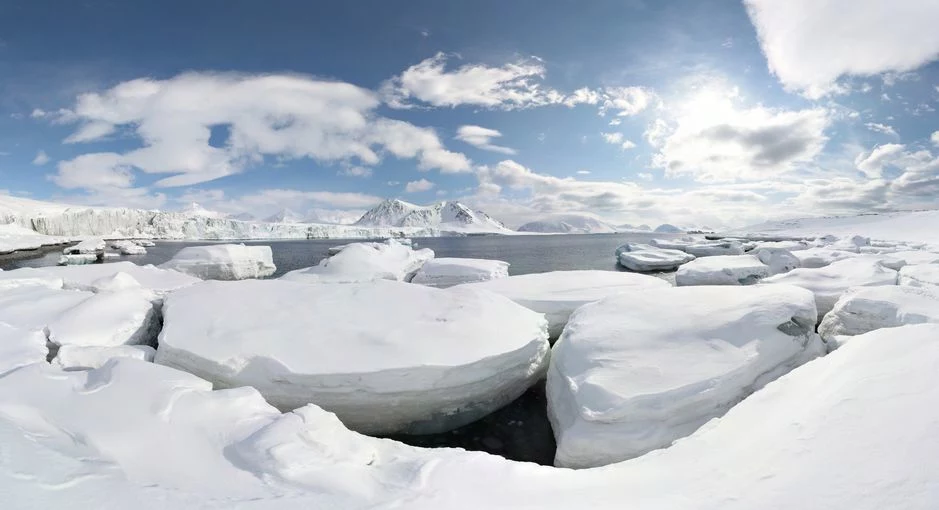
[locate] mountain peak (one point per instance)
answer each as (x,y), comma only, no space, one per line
(445,215)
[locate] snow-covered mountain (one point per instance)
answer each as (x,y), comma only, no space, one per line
(666,228)
(626,227)
(445,216)
(285,216)
(196,210)
(569,224)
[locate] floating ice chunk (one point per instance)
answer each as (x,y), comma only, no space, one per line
(423,360)
(829,282)
(88,246)
(632,375)
(446,272)
(920,275)
(722,270)
(107,319)
(899,259)
(79,259)
(20,347)
(224,261)
(88,357)
(365,262)
(714,248)
(779,260)
(129,248)
(643,258)
(558,293)
(673,244)
(863,309)
(146,243)
(820,257)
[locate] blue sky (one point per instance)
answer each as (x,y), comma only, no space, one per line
(711,112)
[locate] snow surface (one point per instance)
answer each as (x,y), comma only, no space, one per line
(558,293)
(864,309)
(107,319)
(129,248)
(365,262)
(384,356)
(644,257)
(632,375)
(446,272)
(918,226)
(95,356)
(79,259)
(920,275)
(829,282)
(901,258)
(34,307)
(20,347)
(88,246)
(783,245)
(722,270)
(569,224)
(16,238)
(99,277)
(820,257)
(779,260)
(223,261)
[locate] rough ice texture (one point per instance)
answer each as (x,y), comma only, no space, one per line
(898,259)
(20,347)
(19,238)
(446,272)
(820,257)
(365,262)
(779,260)
(632,373)
(714,248)
(558,293)
(920,275)
(864,309)
(384,356)
(644,257)
(674,244)
(87,357)
(829,282)
(107,319)
(223,261)
(722,270)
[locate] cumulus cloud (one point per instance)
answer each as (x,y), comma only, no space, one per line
(872,163)
(418,186)
(284,116)
(626,101)
(618,139)
(97,171)
(316,206)
(882,128)
(481,138)
(41,158)
(809,45)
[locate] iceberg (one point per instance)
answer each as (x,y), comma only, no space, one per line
(79,259)
(633,373)
(558,293)
(646,258)
(920,275)
(864,309)
(419,360)
(129,248)
(722,270)
(223,261)
(447,272)
(365,262)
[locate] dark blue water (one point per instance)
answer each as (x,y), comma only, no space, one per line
(526,254)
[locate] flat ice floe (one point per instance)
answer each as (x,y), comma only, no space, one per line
(722,270)
(829,282)
(365,262)
(446,272)
(864,309)
(20,347)
(129,247)
(779,260)
(920,275)
(558,293)
(645,258)
(898,259)
(107,319)
(714,248)
(223,261)
(88,246)
(387,357)
(820,257)
(632,375)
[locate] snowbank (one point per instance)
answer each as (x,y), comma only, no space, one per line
(446,272)
(722,270)
(864,309)
(365,262)
(223,261)
(385,356)
(632,375)
(107,276)
(898,259)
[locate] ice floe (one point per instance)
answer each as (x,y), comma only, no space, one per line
(863,309)
(722,270)
(365,262)
(647,258)
(446,272)
(95,356)
(20,347)
(223,261)
(107,319)
(820,257)
(920,275)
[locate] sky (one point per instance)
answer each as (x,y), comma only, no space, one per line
(711,113)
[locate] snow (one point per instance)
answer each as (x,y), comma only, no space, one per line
(34,307)
(782,245)
(851,244)
(223,261)
(901,258)
(107,319)
(451,217)
(864,309)
(633,373)
(569,224)
(916,226)
(87,357)
(558,293)
(129,248)
(146,243)
(446,272)
(19,347)
(713,248)
(829,282)
(385,356)
(722,270)
(79,259)
(665,228)
(92,246)
(16,238)
(673,244)
(643,257)
(107,277)
(920,275)
(364,262)
(779,260)
(29,276)
(820,257)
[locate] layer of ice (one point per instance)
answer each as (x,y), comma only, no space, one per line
(632,375)
(722,270)
(644,257)
(920,275)
(864,309)
(100,276)
(820,257)
(365,262)
(779,260)
(88,357)
(223,261)
(446,272)
(898,259)
(714,248)
(88,246)
(129,248)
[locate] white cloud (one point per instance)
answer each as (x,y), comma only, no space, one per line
(355,171)
(616,122)
(618,139)
(284,116)
(809,45)
(94,172)
(583,95)
(481,137)
(625,101)
(583,172)
(41,158)
(646,176)
(418,186)
(935,138)
(872,163)
(882,128)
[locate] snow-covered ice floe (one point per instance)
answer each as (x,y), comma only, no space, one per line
(113,276)
(920,275)
(129,247)
(18,238)
(107,319)
(365,262)
(779,260)
(446,272)
(88,246)
(94,356)
(20,347)
(632,375)
(820,257)
(558,293)
(223,261)
(898,259)
(385,356)
(714,248)
(782,245)
(864,309)
(80,259)
(829,282)
(722,270)
(645,258)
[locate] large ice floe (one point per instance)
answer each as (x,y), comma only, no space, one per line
(107,319)
(714,248)
(97,277)
(387,357)
(632,375)
(829,282)
(646,258)
(820,257)
(88,246)
(127,247)
(20,347)
(722,270)
(920,275)
(558,293)
(224,261)
(863,309)
(365,262)
(446,272)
